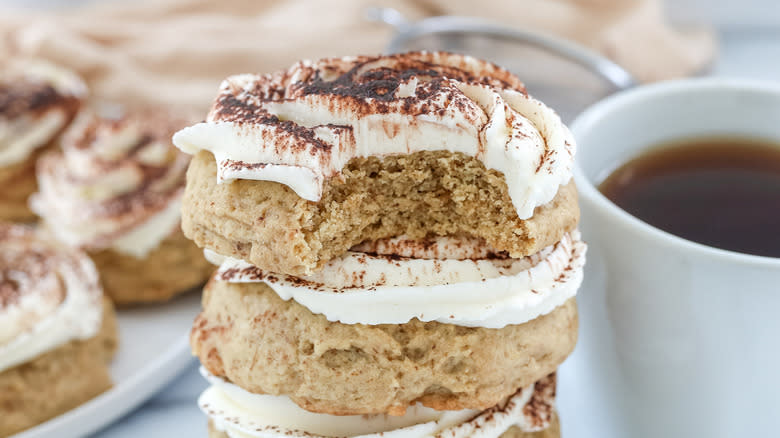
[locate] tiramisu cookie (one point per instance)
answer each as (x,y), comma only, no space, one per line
(115,190)
(37,101)
(294,168)
(57,332)
(235,413)
(446,323)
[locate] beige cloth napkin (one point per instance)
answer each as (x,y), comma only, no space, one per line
(176,51)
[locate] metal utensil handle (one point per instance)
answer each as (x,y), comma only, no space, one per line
(601,66)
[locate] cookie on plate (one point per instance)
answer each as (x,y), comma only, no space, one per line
(115,191)
(57,331)
(292,169)
(37,102)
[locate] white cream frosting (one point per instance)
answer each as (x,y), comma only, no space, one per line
(142,239)
(275,128)
(242,414)
(26,130)
(116,184)
(48,296)
(366,288)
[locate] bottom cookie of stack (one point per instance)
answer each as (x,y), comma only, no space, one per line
(236,413)
(443,337)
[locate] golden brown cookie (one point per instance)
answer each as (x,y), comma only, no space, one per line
(439,193)
(258,341)
(174,267)
(59,380)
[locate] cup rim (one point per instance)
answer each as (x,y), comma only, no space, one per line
(597,111)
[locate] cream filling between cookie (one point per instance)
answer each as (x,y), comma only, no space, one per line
(484,291)
(241,414)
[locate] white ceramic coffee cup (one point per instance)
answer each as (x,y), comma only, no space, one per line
(696,329)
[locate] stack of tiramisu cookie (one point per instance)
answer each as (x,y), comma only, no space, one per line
(397,246)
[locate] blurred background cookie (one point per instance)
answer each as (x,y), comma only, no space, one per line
(57,331)
(37,102)
(115,190)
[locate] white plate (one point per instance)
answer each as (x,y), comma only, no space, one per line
(153,349)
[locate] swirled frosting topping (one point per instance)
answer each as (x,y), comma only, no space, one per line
(463,282)
(117,183)
(48,296)
(37,100)
(301,126)
(241,414)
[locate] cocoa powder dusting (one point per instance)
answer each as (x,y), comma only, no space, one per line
(23,97)
(539,409)
(362,86)
(9,290)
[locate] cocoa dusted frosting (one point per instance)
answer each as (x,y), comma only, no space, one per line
(463,282)
(362,85)
(29,97)
(37,100)
(117,183)
(240,413)
(49,295)
(301,126)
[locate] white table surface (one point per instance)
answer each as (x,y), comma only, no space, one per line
(744,53)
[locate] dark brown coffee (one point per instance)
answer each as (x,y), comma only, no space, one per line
(722,192)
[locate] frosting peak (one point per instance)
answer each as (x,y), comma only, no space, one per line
(112,178)
(303,125)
